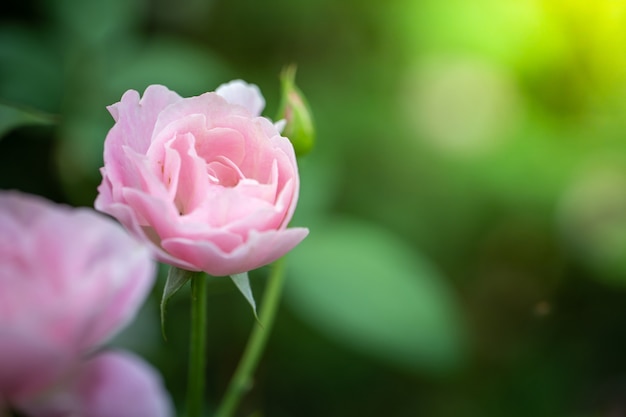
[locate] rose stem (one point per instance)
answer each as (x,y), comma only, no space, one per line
(197,351)
(241,381)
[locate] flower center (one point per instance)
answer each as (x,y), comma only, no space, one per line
(222,171)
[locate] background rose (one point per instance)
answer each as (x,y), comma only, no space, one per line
(111,384)
(209,183)
(69,280)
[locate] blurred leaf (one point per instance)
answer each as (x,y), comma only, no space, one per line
(363,287)
(12,117)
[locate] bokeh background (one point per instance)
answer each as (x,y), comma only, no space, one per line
(466,196)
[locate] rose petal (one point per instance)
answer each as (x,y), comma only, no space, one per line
(128,218)
(221,142)
(135,120)
(122,385)
(243,94)
(191,178)
(112,384)
(260,249)
(29,364)
(161,215)
(208,102)
(224,206)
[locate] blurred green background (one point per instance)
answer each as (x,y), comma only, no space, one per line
(466,196)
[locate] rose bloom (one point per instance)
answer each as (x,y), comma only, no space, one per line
(69,280)
(205,180)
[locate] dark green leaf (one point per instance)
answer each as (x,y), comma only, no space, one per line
(362,286)
(12,117)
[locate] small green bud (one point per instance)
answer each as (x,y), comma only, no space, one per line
(296,112)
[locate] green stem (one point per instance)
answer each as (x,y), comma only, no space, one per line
(241,381)
(197,352)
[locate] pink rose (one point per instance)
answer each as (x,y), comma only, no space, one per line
(69,280)
(111,384)
(205,180)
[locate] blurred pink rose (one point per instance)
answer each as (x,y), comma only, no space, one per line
(205,180)
(111,384)
(69,280)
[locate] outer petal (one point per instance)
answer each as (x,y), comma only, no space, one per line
(260,249)
(210,104)
(112,384)
(122,385)
(29,365)
(243,94)
(135,121)
(135,118)
(128,218)
(96,273)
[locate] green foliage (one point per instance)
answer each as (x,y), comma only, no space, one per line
(364,287)
(13,117)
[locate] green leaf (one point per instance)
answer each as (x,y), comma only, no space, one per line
(12,117)
(243,285)
(365,288)
(176,278)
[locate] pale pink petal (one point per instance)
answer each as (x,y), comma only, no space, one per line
(243,94)
(225,240)
(221,142)
(224,205)
(144,175)
(191,178)
(93,259)
(261,249)
(118,384)
(137,117)
(127,216)
(262,151)
(287,199)
(209,104)
(105,192)
(29,364)
(76,257)
(112,384)
(21,209)
(161,215)
(135,122)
